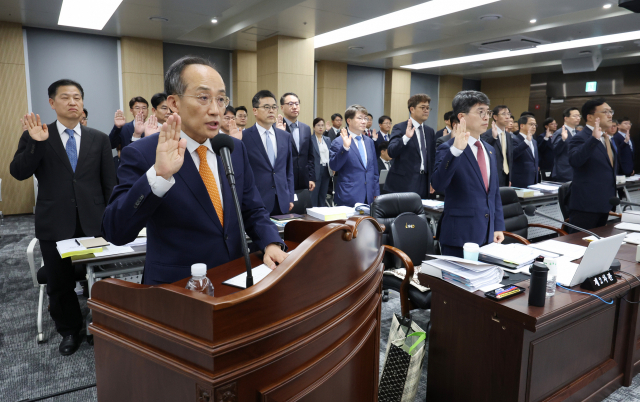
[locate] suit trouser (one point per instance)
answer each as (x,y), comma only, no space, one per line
(276,208)
(587,220)
(423,187)
(61,282)
(319,193)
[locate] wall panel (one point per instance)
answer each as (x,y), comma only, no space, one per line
(428,84)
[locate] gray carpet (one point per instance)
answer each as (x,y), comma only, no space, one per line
(29,370)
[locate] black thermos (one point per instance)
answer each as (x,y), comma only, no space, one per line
(538,288)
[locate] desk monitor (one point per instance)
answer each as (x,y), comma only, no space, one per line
(383,176)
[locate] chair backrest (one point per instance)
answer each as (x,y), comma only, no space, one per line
(515,221)
(304,202)
(412,234)
(564,194)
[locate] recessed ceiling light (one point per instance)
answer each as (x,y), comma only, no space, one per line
(159,19)
(607,6)
(407,16)
(551,47)
(214,20)
(490,17)
(533,21)
(356,47)
(90,14)
(585,52)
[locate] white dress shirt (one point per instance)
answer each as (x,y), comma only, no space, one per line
(570,131)
(602,134)
(65,137)
(324,151)
(529,143)
(354,141)
(417,133)
(272,136)
(384,135)
(387,164)
(160,186)
(472,144)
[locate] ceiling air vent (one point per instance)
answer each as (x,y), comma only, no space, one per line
(509,43)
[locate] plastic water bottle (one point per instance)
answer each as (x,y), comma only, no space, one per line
(552,264)
(199,281)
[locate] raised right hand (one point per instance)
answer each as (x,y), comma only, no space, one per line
(462,135)
(374,135)
(564,133)
(119,120)
(37,130)
(549,133)
(346,138)
(494,130)
(170,150)
(410,129)
(138,125)
(151,126)
(597,131)
(280,123)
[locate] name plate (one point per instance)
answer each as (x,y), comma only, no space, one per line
(599,281)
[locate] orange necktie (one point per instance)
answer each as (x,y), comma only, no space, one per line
(210,182)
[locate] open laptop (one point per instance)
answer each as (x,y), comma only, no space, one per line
(597,259)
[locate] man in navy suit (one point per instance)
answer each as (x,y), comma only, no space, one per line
(525,154)
(447,126)
(498,137)
(593,158)
(270,153)
(465,172)
(384,134)
(625,147)
(185,201)
(124,133)
(336,126)
(353,157)
(412,148)
(562,170)
(304,174)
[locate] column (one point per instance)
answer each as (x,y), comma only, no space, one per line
(142,70)
(449,86)
(332,89)
(397,91)
(511,91)
(244,67)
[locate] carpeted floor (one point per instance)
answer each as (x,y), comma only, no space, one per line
(29,370)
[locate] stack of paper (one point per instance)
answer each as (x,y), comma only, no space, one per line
(631,216)
(566,251)
(517,254)
(468,275)
(433,203)
(633,238)
(547,188)
(331,213)
(139,241)
(71,247)
(113,250)
(633,178)
(634,227)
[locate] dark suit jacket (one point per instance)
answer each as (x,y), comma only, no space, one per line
(183,227)
(271,180)
(525,165)
(381,165)
(545,159)
(60,190)
(625,154)
(122,135)
(379,141)
(487,137)
(331,133)
(316,157)
(594,180)
(354,182)
(440,133)
(442,140)
(468,207)
(562,170)
(303,160)
(404,175)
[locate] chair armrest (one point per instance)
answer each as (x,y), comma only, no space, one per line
(615,214)
(32,262)
(404,286)
(517,237)
(539,225)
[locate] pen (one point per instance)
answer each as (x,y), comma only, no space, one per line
(77,242)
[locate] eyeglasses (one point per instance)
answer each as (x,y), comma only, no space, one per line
(292,104)
(206,100)
(576,115)
(424,108)
(362,118)
(484,113)
(504,114)
(140,108)
(268,108)
(607,112)
(229,118)
(84,119)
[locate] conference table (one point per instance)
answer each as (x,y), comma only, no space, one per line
(574,348)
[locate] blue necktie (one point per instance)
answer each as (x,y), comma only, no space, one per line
(361,149)
(270,153)
(296,134)
(72,151)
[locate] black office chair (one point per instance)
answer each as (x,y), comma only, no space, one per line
(304,202)
(564,195)
(515,221)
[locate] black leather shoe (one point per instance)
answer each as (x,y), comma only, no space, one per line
(70,344)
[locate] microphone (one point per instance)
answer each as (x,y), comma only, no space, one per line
(531,210)
(615,201)
(223,145)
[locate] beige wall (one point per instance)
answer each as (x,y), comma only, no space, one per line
(397,90)
(142,70)
(332,89)
(17,196)
(450,85)
(244,67)
(511,91)
(287,65)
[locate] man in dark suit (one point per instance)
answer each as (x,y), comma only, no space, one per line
(625,147)
(384,161)
(369,131)
(498,137)
(525,154)
(270,154)
(453,122)
(353,157)
(384,134)
(562,170)
(304,174)
(545,149)
(174,184)
(413,150)
(336,125)
(124,133)
(465,172)
(72,163)
(593,158)
(447,126)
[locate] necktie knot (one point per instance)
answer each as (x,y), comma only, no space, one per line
(294,125)
(478,144)
(202,152)
(70,132)
(359,137)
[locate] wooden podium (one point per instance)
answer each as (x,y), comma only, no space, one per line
(309,331)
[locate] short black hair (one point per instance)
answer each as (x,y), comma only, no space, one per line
(548,121)
(86,112)
(239,108)
(370,115)
(447,115)
(173,84)
(137,99)
(590,106)
(287,94)
(567,112)
(614,121)
(465,100)
(524,119)
(499,108)
(230,109)
(352,110)
(623,119)
(265,93)
(383,146)
(526,113)
(453,119)
(317,120)
(157,99)
(53,88)
(335,115)
(382,118)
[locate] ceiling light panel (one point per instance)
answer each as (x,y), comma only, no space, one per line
(407,16)
(89,14)
(551,47)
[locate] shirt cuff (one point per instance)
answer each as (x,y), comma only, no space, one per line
(546,138)
(345,148)
(135,139)
(455,151)
(528,142)
(405,139)
(159,185)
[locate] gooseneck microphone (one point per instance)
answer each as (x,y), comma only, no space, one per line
(223,145)
(531,210)
(615,201)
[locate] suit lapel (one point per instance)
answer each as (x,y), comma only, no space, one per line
(56,143)
(314,142)
(191,177)
(86,140)
(281,144)
(254,135)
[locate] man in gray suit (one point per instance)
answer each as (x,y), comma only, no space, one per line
(562,170)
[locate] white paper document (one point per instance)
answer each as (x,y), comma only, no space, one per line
(518,254)
(566,251)
(463,277)
(630,217)
(240,281)
(113,250)
(633,238)
(634,227)
(544,187)
(433,203)
(70,247)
